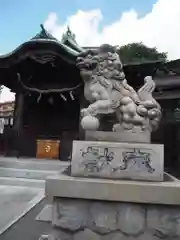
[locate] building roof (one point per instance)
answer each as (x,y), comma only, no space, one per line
(44,42)
(43,47)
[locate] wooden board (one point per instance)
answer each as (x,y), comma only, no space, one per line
(47,149)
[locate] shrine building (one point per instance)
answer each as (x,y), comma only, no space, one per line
(48,91)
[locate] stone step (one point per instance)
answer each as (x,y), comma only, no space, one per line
(22,182)
(48,165)
(26,173)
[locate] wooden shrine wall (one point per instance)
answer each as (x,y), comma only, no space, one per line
(169,135)
(47,119)
(47,116)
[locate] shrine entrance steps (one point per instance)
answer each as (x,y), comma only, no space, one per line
(28,172)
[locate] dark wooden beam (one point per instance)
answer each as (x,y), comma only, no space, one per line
(18,121)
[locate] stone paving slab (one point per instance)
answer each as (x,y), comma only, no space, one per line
(22,182)
(15,202)
(25,173)
(27,228)
(46,214)
(31,163)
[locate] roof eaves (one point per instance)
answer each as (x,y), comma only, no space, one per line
(67,48)
(41,40)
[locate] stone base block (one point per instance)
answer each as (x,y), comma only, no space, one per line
(133,161)
(75,219)
(122,136)
(64,186)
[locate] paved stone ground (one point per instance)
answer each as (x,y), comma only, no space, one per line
(20,193)
(27,228)
(15,202)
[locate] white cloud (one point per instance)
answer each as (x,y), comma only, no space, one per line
(159,28)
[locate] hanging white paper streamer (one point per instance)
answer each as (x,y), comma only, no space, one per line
(63,97)
(71,95)
(39,98)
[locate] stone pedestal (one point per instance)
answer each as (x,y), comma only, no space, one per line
(118,160)
(131,136)
(97,209)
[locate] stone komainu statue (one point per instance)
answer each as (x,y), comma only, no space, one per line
(107,91)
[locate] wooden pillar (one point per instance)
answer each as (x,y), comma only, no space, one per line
(18,121)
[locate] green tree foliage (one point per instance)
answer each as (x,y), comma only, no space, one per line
(139,53)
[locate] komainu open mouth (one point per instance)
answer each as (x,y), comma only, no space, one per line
(86,65)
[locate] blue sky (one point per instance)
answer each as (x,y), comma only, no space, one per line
(20,19)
